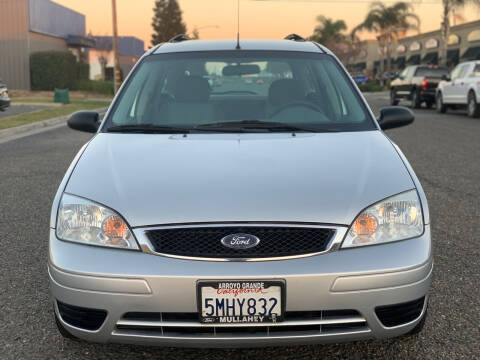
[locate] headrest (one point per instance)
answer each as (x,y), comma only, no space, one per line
(192,89)
(285,91)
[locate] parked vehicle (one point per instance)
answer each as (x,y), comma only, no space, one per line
(195,218)
(4,99)
(418,84)
(360,79)
(462,88)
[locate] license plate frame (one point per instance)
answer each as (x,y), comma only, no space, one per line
(267,284)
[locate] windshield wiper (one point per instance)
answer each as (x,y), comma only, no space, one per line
(165,129)
(148,128)
(264,125)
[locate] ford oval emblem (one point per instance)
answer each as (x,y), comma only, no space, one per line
(240,241)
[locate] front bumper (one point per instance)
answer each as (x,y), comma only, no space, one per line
(122,281)
(4,103)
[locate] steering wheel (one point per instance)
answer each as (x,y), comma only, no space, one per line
(299,103)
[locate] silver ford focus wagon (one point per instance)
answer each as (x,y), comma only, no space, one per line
(239,195)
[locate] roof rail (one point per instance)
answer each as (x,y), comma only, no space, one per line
(294,37)
(179,38)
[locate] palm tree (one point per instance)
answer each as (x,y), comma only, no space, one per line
(449,7)
(388,23)
(330,33)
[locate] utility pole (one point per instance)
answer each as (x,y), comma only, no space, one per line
(116,60)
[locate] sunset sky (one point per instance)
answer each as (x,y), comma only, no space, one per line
(271,19)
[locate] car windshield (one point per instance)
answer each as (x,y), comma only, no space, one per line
(431,72)
(244,91)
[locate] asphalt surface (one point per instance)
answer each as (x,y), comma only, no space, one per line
(445,153)
(20,109)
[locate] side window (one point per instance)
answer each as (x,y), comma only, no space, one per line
(464,71)
(476,71)
(410,72)
(455,72)
(459,71)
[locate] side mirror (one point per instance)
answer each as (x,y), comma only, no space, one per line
(87,121)
(446,78)
(395,116)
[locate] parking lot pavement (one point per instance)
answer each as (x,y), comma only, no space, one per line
(444,151)
(15,109)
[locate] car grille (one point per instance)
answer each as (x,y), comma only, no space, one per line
(204,242)
(399,314)
(187,325)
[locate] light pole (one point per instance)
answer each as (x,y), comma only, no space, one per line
(116,61)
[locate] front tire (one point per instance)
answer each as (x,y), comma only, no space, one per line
(473,106)
(441,107)
(393,98)
(415,97)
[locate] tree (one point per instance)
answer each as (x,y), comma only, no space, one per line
(449,8)
(388,23)
(195,34)
(330,33)
(167,21)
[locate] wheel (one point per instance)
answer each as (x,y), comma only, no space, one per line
(441,107)
(419,327)
(473,107)
(415,97)
(64,332)
(393,97)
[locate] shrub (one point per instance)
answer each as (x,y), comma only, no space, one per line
(100,87)
(83,71)
(53,69)
(370,86)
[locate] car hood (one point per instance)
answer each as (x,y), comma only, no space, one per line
(153,179)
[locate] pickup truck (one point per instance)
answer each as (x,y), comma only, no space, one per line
(4,100)
(418,84)
(461,89)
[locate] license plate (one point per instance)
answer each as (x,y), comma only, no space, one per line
(241,302)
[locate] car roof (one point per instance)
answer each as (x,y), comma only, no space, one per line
(222,45)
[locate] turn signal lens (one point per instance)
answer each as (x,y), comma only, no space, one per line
(84,221)
(396,218)
(114,227)
(365,225)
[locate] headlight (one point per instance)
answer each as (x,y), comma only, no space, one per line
(396,218)
(83,221)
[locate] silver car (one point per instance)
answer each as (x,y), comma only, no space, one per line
(253,213)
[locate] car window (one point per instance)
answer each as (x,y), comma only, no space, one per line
(410,71)
(201,88)
(456,71)
(459,71)
(403,74)
(431,72)
(464,70)
(476,71)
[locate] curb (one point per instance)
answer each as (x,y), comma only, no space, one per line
(36,127)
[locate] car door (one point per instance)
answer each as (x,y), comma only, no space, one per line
(447,86)
(460,85)
(472,79)
(404,87)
